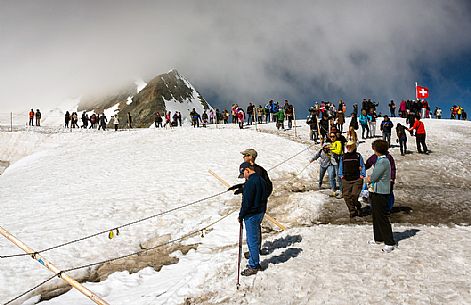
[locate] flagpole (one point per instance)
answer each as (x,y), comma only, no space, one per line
(416,97)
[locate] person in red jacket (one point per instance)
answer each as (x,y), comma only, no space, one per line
(420,135)
(31,117)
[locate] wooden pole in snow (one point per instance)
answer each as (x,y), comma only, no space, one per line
(38,257)
(268,217)
(294,118)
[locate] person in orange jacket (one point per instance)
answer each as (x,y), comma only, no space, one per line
(419,135)
(31,117)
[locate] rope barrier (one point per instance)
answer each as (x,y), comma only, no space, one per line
(152,248)
(116,228)
(30,290)
(292,157)
(124,256)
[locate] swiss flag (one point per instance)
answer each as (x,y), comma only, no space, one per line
(421,92)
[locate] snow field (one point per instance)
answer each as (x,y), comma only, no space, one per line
(89,182)
(324,264)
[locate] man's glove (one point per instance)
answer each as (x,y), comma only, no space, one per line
(237,188)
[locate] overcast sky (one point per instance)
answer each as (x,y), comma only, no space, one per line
(236,50)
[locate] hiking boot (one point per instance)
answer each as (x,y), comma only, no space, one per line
(339,195)
(374,242)
(333,194)
(388,248)
(250,271)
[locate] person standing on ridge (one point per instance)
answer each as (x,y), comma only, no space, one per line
(103,121)
(38,117)
(129,120)
(392,108)
(116,122)
(31,117)
(289,112)
(66,119)
(313,127)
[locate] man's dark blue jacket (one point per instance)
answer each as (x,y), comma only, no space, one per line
(254,197)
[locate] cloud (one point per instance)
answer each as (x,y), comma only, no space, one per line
(234,50)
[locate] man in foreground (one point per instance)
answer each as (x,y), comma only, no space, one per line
(253,208)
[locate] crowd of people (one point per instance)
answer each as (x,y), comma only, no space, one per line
(350,169)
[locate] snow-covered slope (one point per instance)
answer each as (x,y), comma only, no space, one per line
(65,189)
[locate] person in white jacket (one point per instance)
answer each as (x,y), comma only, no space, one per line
(116,122)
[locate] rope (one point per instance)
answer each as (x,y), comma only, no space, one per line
(115,228)
(152,248)
(123,256)
(30,290)
(292,156)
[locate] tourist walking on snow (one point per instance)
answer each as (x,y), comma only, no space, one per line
(252,211)
(158,120)
(402,138)
(289,112)
(379,189)
(66,119)
(372,123)
(74,119)
(240,117)
(352,170)
(168,120)
(280,119)
(103,121)
(116,122)
(325,165)
(324,127)
(419,135)
(336,152)
(392,108)
(31,117)
(371,162)
(352,135)
(386,127)
(364,124)
(313,128)
(129,120)
(354,121)
(38,117)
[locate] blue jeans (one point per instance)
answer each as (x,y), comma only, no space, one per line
(252,232)
(336,176)
(330,171)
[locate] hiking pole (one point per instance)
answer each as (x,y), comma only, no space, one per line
(241,227)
